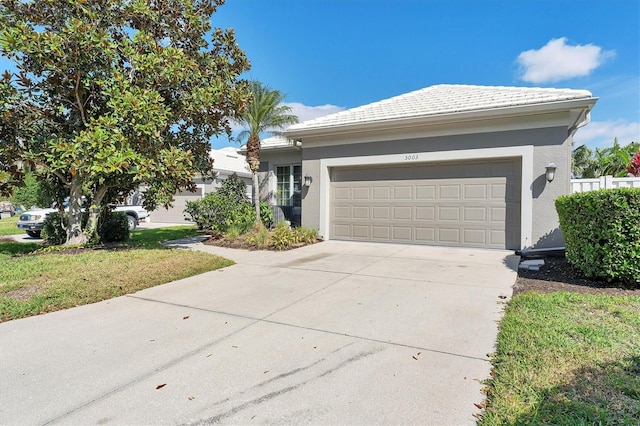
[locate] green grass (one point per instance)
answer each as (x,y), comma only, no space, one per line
(566,358)
(51,280)
(8,226)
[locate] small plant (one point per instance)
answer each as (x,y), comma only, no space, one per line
(282,236)
(233,232)
(259,236)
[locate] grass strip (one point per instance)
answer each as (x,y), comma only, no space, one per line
(48,280)
(566,358)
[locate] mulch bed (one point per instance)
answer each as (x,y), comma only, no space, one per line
(558,275)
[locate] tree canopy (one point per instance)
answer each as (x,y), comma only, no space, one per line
(607,161)
(113,94)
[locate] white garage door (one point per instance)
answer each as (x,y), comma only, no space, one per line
(471,204)
(175,214)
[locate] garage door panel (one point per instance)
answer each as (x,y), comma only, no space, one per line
(448,213)
(361,231)
(382,193)
(362,193)
(475,214)
(463,203)
(475,236)
(381,212)
(402,213)
(402,233)
(425,192)
(360,212)
(475,192)
(403,193)
(425,235)
(381,232)
(341,231)
(449,192)
(449,236)
(426,213)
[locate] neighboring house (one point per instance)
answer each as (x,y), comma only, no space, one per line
(226,161)
(451,165)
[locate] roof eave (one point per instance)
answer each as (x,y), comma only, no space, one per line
(504,112)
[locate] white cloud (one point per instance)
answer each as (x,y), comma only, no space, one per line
(599,134)
(557,61)
(306,113)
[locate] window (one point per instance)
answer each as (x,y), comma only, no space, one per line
(289,185)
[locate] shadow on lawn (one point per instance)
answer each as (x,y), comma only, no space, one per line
(140,239)
(604,394)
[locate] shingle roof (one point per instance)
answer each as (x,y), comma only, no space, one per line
(442,100)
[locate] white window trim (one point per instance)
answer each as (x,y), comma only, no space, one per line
(525,153)
(291,180)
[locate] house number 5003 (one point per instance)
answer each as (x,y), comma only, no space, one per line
(410,157)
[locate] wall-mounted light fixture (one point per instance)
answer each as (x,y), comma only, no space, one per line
(307,180)
(550,171)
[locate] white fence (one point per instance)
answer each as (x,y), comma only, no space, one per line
(604,182)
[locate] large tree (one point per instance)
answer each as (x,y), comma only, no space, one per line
(113,94)
(265,114)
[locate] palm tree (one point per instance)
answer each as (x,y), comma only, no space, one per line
(265,114)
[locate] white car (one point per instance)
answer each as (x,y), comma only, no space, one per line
(33,220)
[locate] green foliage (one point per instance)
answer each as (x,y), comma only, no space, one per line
(234,189)
(54,228)
(112,95)
(266,214)
(27,195)
(216,212)
(608,161)
(283,237)
(114,228)
(259,237)
(602,233)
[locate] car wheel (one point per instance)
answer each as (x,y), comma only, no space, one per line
(132,222)
(33,234)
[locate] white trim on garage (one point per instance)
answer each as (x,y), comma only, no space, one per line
(525,153)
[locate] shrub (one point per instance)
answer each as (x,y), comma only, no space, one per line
(216,212)
(283,237)
(266,214)
(54,227)
(234,189)
(114,228)
(602,233)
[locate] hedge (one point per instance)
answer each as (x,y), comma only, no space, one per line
(602,233)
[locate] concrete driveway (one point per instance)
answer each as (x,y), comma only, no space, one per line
(334,333)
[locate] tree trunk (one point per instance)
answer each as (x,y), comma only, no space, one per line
(75,235)
(95,211)
(253,158)
(256,196)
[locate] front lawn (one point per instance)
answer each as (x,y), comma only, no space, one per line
(8,226)
(34,280)
(566,358)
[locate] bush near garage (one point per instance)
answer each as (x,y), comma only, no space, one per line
(602,233)
(227,208)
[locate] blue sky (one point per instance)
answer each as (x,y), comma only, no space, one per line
(330,55)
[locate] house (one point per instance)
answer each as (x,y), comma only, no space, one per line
(226,161)
(452,165)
